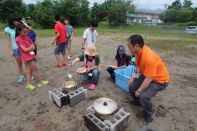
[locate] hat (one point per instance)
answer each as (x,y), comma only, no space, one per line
(90,50)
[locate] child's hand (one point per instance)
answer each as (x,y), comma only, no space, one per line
(32,47)
(114,67)
(130,81)
(11,53)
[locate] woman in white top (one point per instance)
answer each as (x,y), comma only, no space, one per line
(89,35)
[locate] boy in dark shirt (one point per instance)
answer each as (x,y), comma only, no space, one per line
(32,36)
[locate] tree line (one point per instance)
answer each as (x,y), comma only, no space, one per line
(77,11)
(179,12)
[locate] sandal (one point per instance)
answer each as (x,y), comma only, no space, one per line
(43,83)
(30,86)
(58,65)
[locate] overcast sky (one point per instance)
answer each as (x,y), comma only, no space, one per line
(146,4)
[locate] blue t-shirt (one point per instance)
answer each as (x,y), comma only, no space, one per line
(12,33)
(32,36)
(69,30)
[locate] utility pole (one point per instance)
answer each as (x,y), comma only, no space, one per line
(164,17)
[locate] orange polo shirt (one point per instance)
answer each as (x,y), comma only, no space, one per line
(151,65)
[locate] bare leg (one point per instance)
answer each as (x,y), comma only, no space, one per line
(65,59)
(19,64)
(35,72)
(29,74)
(58,59)
(69,51)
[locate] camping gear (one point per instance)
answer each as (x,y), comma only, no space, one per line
(68,73)
(62,96)
(104,115)
(123,75)
(104,107)
(70,85)
(81,70)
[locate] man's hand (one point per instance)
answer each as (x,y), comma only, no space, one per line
(130,81)
(137,93)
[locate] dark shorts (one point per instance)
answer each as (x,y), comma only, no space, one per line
(60,48)
(30,61)
(16,52)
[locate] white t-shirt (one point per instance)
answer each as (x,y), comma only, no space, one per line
(90,36)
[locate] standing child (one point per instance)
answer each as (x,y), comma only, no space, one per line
(69,36)
(60,41)
(13,50)
(26,48)
(32,36)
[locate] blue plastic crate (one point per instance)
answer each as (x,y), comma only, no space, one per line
(122,76)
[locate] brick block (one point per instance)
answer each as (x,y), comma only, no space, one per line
(58,98)
(119,122)
(94,124)
(77,96)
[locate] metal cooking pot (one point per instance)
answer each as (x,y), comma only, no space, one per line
(70,85)
(105,108)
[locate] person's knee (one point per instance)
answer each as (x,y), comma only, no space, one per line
(144,97)
(95,72)
(132,89)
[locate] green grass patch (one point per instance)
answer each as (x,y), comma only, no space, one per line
(155,31)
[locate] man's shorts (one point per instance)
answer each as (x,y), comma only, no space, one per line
(60,48)
(16,52)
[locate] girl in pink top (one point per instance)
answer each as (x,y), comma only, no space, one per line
(26,48)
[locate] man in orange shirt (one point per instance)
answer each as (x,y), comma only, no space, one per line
(151,75)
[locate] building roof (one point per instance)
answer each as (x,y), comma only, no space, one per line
(146,11)
(131,15)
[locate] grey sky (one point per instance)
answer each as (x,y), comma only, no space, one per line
(146,4)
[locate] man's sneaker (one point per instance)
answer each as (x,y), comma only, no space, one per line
(30,86)
(43,83)
(21,79)
(148,118)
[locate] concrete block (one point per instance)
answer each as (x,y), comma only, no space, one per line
(77,96)
(94,124)
(119,122)
(58,98)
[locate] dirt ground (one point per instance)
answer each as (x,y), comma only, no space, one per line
(25,110)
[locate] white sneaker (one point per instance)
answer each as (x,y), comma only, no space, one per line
(68,58)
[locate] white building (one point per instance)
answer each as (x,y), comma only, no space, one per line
(147,17)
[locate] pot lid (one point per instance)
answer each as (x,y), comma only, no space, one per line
(105,106)
(70,84)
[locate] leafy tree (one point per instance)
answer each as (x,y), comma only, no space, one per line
(99,11)
(43,13)
(176,5)
(187,3)
(117,11)
(8,7)
(77,11)
(184,15)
